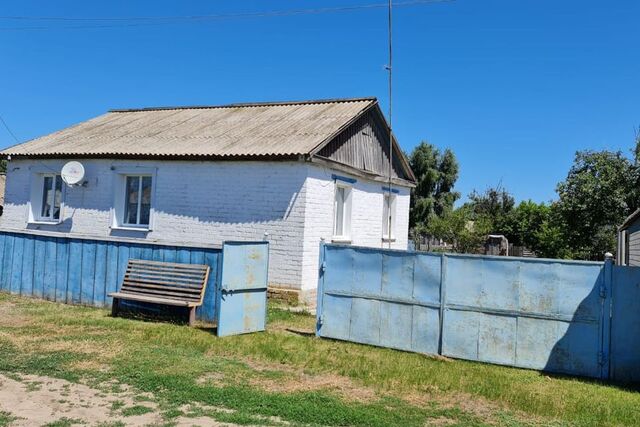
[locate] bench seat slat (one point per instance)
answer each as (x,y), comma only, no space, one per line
(161,292)
(162,282)
(186,291)
(136,284)
(168,268)
(168,274)
(169,264)
(153,299)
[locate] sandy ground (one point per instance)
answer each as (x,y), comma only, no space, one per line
(37,401)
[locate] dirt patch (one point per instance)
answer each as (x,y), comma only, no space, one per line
(36,400)
(11,317)
(295,380)
(343,386)
(441,421)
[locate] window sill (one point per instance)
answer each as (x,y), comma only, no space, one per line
(388,240)
(344,240)
(131,228)
(44,222)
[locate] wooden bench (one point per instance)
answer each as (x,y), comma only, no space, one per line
(165,283)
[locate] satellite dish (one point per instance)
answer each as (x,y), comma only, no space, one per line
(72,173)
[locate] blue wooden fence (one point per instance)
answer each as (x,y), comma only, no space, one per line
(85,271)
(549,315)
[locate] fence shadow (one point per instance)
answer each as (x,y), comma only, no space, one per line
(577,352)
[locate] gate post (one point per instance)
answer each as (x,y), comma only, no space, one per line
(605,299)
(443,296)
(322,266)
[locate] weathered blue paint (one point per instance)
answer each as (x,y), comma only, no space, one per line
(393,190)
(242,296)
(386,298)
(551,315)
(625,324)
(343,179)
(83,271)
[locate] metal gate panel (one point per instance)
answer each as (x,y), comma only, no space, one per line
(242,304)
(375,297)
(541,314)
(535,314)
(625,324)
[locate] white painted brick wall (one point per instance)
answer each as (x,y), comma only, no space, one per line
(209,202)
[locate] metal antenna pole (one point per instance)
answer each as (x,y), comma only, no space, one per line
(390,69)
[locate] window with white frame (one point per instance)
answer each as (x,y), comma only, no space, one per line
(46,198)
(134,189)
(137,200)
(342,212)
(388,216)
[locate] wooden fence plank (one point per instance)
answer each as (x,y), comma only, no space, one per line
(26,285)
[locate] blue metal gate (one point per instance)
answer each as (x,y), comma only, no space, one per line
(242,296)
(549,315)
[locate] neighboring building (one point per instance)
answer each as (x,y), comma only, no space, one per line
(291,172)
(496,244)
(628,252)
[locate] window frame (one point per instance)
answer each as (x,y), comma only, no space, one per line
(137,224)
(345,236)
(118,209)
(390,233)
(37,194)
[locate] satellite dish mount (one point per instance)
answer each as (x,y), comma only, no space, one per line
(73,174)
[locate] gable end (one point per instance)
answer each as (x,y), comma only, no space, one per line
(364,145)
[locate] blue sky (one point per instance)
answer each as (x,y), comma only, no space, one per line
(513,87)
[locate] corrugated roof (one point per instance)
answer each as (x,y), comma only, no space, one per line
(243,130)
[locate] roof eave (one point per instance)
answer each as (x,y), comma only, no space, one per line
(203,157)
(630,219)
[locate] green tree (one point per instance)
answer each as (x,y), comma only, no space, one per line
(436,173)
(460,228)
(493,207)
(523,224)
(600,190)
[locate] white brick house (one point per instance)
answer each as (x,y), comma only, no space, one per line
(294,173)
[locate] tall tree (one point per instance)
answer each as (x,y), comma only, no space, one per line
(524,223)
(599,192)
(436,173)
(495,204)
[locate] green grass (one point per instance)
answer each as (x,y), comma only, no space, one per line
(65,422)
(248,375)
(135,410)
(6,418)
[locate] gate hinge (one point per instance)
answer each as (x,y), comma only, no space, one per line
(320,320)
(602,358)
(603,291)
(323,267)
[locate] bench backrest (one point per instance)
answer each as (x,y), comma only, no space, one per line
(184,282)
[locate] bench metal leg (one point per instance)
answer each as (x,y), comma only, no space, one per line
(114,307)
(192,316)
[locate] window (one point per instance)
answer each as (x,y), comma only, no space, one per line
(133,198)
(342,212)
(51,197)
(46,198)
(137,200)
(388,216)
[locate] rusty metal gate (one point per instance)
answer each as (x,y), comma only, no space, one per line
(552,315)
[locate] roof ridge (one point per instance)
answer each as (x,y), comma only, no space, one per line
(245,104)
